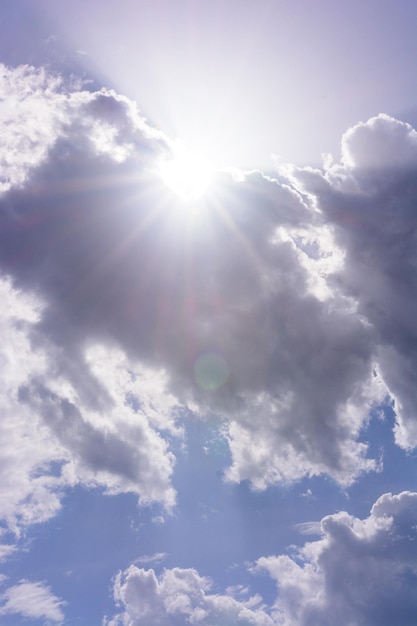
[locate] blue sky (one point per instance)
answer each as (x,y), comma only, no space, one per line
(208,279)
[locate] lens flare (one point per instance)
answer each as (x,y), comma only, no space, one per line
(211,371)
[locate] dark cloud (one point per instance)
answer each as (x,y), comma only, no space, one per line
(116,260)
(370,200)
(56,172)
(276,305)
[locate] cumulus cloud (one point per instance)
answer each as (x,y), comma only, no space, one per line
(69,415)
(30,487)
(271,308)
(32,600)
(382,143)
(51,440)
(178,596)
(361,572)
(117,447)
(369,199)
(41,107)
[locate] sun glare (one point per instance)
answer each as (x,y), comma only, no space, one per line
(187,175)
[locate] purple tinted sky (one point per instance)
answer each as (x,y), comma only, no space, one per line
(245,79)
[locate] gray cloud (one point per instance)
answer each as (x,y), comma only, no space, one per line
(360,572)
(370,201)
(49,392)
(243,308)
(51,440)
(121,454)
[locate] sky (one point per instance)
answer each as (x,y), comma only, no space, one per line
(208,279)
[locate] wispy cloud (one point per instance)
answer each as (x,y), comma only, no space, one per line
(32,600)
(151,558)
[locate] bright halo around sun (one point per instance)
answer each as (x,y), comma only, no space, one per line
(187,175)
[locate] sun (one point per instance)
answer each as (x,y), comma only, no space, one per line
(187,175)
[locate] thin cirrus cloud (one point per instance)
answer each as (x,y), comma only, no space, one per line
(32,600)
(277,307)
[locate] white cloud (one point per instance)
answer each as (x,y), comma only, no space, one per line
(30,489)
(178,596)
(361,572)
(151,558)
(40,107)
(32,600)
(382,143)
(29,118)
